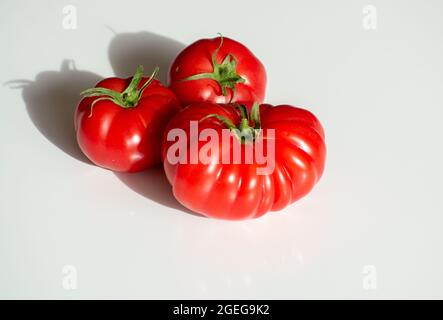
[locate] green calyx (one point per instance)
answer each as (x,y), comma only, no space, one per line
(244,132)
(224,73)
(129,98)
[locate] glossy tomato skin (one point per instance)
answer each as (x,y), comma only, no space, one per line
(125,139)
(236,191)
(197,59)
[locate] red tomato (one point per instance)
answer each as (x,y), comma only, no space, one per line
(218,70)
(236,190)
(120,122)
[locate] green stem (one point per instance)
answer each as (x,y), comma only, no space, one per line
(129,98)
(243,111)
(224,73)
(201,76)
(243,132)
(255,115)
(227,122)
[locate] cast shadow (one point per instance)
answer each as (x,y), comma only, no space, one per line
(128,50)
(154,185)
(51,100)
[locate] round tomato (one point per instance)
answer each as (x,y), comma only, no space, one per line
(218,70)
(222,182)
(119,123)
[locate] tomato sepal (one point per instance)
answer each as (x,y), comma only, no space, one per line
(129,98)
(244,132)
(225,73)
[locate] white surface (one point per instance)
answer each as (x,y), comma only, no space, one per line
(379,94)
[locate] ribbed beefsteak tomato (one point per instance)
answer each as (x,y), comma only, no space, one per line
(235,189)
(218,70)
(120,122)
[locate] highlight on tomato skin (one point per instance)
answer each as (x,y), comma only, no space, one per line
(217,70)
(195,148)
(119,123)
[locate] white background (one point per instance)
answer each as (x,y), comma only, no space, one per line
(379,94)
